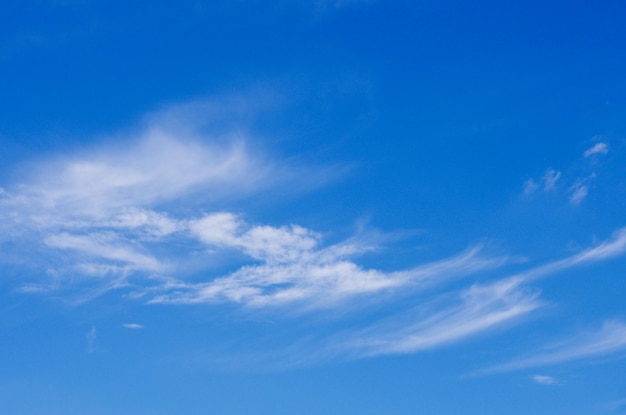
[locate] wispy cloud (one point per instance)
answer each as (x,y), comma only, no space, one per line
(108,218)
(106,246)
(295,268)
(599,148)
(545,380)
(610,248)
(109,209)
(91,337)
(109,215)
(546,183)
(132,326)
(469,312)
(530,187)
(609,340)
(550,178)
(473,311)
(578,192)
(577,187)
(155,169)
(580,189)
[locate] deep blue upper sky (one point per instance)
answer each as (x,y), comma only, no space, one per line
(317,206)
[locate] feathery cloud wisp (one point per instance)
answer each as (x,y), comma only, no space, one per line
(91,337)
(610,339)
(579,192)
(550,179)
(599,148)
(475,310)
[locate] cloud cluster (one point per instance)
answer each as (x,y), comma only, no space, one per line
(137,215)
(578,189)
(106,219)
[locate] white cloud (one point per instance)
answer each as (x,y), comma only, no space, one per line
(108,215)
(123,237)
(608,249)
(91,337)
(156,168)
(579,191)
(550,179)
(283,244)
(106,246)
(107,212)
(530,187)
(599,148)
(547,182)
(477,309)
(150,222)
(132,326)
(610,339)
(545,380)
(294,268)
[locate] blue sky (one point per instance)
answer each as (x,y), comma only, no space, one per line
(317,206)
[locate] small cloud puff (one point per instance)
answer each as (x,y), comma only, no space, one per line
(550,179)
(530,187)
(599,148)
(578,192)
(548,182)
(545,380)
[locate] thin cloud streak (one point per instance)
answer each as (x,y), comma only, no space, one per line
(475,310)
(545,380)
(91,337)
(610,339)
(107,247)
(478,309)
(608,249)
